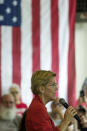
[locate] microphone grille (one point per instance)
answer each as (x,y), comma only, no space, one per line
(62,101)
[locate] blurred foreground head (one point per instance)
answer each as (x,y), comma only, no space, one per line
(7,107)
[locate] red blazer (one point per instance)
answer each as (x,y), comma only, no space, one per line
(37,117)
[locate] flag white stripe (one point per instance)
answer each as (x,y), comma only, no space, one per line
(6,60)
(26,51)
(45,35)
(63,47)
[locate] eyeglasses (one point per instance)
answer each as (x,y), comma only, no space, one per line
(52,84)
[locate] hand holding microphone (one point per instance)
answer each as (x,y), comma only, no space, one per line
(70,112)
(68,115)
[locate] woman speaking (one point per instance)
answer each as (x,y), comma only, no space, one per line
(44,87)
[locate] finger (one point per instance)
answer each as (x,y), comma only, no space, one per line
(72,111)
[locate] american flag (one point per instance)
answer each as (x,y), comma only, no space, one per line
(37,34)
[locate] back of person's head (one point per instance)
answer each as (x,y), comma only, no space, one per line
(15,91)
(84,86)
(7,107)
(40,78)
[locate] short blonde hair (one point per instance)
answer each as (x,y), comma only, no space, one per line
(40,78)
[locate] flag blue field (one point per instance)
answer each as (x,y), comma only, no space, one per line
(10,12)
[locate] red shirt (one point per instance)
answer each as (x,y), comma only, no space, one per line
(37,117)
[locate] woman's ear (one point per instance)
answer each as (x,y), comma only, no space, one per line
(41,89)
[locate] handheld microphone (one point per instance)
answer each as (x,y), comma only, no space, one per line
(63,102)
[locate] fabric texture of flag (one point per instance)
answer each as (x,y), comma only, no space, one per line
(37,34)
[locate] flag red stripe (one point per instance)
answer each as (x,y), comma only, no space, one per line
(16,54)
(54,36)
(0,62)
(71,55)
(35,35)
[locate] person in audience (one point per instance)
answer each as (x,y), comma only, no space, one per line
(9,121)
(81,106)
(56,113)
(83,117)
(44,87)
(82,100)
(15,91)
